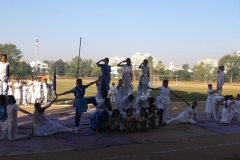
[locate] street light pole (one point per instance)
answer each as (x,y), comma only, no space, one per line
(36,54)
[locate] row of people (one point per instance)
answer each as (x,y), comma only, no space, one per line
(214,101)
(32,91)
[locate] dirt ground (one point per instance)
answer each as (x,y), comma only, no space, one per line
(210,146)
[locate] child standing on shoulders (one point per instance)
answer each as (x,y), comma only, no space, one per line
(185,116)
(145,76)
(227,111)
(42,125)
(12,110)
(106,69)
(127,74)
(4,75)
(209,107)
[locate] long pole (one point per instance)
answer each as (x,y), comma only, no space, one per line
(36,55)
(79,57)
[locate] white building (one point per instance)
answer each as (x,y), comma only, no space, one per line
(212,63)
(115,60)
(173,67)
(136,59)
(40,64)
(114,71)
(236,53)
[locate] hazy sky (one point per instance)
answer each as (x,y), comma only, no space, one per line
(179,31)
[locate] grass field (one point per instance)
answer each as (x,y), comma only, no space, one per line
(189,90)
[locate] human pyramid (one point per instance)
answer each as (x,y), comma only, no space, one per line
(126,117)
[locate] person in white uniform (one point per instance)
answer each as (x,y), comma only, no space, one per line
(12,110)
(145,76)
(42,125)
(9,87)
(120,94)
(50,91)
(237,107)
(126,102)
(152,115)
(216,101)
(127,74)
(220,80)
(114,119)
(30,87)
(17,93)
(141,102)
(113,93)
(149,90)
(25,94)
(127,122)
(38,90)
(227,111)
(141,118)
(4,75)
(163,101)
(209,108)
(45,91)
(104,104)
(186,116)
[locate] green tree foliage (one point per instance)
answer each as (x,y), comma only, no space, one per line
(96,71)
(23,70)
(150,65)
(232,66)
(185,67)
(159,70)
(85,67)
(201,71)
(59,65)
(14,55)
(183,75)
(120,71)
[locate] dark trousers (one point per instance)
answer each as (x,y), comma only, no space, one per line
(91,100)
(104,92)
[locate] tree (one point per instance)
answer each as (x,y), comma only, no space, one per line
(232,65)
(23,70)
(159,70)
(14,55)
(85,67)
(59,66)
(185,75)
(185,67)
(96,71)
(150,65)
(120,71)
(201,71)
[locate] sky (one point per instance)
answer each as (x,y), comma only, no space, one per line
(178,31)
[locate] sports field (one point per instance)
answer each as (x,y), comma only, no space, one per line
(191,91)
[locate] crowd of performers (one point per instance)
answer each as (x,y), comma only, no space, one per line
(130,115)
(35,90)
